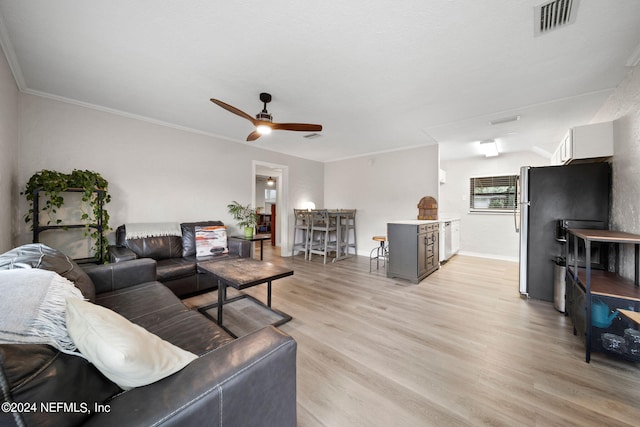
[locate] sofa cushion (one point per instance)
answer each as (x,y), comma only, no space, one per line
(37,373)
(189,235)
(158,248)
(154,307)
(37,255)
(145,299)
(174,268)
(124,352)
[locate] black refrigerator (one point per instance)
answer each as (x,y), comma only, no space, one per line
(549,194)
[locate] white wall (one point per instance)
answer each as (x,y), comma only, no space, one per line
(155,173)
(624,108)
(9,152)
(382,187)
(260,187)
(483,234)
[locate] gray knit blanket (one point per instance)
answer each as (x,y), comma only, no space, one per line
(33,306)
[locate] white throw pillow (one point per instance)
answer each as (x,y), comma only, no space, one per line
(124,352)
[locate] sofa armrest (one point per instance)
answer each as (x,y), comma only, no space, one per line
(120,253)
(239,247)
(109,277)
(248,382)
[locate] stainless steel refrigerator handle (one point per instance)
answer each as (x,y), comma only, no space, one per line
(516,208)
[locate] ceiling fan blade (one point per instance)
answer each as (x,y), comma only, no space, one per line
(253,136)
(301,127)
(233,110)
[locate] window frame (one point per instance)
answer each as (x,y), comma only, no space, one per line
(512,182)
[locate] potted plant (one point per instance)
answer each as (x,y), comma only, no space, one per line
(245,216)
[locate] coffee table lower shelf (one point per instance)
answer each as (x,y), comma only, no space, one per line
(244,314)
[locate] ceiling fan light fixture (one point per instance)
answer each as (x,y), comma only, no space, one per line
(270,181)
(264,116)
(264,121)
(263,129)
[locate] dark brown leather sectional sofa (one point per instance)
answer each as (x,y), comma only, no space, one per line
(176,257)
(249,381)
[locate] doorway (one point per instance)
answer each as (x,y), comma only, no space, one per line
(266,204)
(267,196)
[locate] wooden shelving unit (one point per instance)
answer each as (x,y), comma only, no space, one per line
(618,292)
(264,221)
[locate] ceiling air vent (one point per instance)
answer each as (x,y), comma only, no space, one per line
(554,14)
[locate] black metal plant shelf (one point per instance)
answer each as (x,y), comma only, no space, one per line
(37,229)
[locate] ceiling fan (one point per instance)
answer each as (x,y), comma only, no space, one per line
(263,121)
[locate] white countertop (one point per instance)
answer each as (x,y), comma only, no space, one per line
(446,219)
(423,221)
(415,221)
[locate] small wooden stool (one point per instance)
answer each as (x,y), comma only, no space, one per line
(380,252)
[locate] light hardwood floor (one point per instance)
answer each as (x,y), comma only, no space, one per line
(460,348)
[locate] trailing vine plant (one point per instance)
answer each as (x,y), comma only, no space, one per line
(53,184)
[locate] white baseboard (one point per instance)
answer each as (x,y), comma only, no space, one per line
(490,256)
(466,253)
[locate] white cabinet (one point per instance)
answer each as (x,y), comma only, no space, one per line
(455,237)
(585,142)
(556,157)
(566,146)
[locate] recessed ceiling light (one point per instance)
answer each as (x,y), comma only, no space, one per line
(489,148)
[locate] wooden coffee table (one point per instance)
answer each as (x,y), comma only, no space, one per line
(243,273)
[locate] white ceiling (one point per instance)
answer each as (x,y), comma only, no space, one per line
(379,75)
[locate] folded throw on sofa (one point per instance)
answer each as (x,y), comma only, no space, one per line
(140,230)
(33,307)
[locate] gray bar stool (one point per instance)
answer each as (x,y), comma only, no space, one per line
(322,228)
(301,231)
(378,253)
